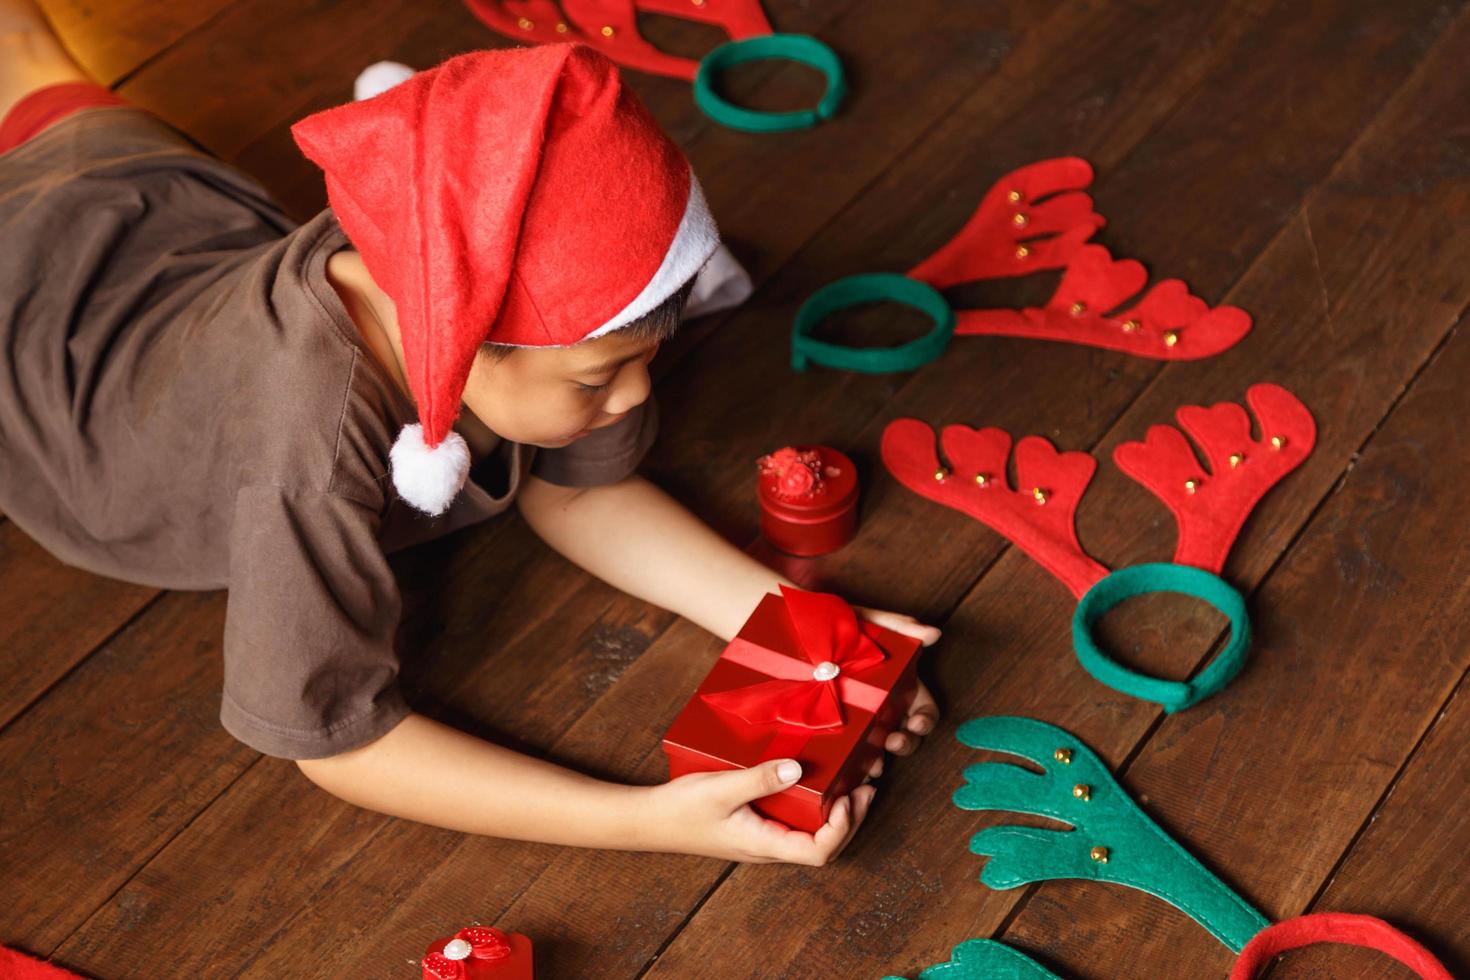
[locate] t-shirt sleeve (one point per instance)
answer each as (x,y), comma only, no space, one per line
(605,456)
(310,667)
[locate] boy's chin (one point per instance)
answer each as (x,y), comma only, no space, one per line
(561,443)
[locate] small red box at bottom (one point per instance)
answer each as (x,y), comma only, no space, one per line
(479,953)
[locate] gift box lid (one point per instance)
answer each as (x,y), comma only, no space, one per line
(784,492)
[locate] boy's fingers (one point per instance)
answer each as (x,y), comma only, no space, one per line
(899,623)
(829,838)
(920,725)
(923,713)
(901,743)
(860,800)
(876,769)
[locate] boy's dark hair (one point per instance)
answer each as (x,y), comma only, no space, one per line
(659,323)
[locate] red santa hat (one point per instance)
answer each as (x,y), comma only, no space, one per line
(521,197)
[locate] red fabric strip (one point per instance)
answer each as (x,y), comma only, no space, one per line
(852,691)
(1336,927)
(47,106)
(18,966)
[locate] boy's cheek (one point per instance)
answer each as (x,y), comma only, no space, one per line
(549,422)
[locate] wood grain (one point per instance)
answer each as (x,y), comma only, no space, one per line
(1307,161)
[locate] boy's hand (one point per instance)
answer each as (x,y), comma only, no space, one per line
(709,813)
(924,712)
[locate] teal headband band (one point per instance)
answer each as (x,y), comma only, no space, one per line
(1162,577)
(786,47)
(878,287)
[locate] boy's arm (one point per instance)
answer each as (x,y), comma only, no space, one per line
(434,774)
(634,536)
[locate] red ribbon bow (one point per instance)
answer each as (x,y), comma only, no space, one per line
(482,942)
(800,696)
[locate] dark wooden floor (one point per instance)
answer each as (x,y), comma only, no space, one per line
(1308,161)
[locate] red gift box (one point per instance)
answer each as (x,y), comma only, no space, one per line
(479,953)
(804,679)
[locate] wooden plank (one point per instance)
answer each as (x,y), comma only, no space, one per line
(113,39)
(51,617)
(1411,863)
(1400,303)
(109,765)
(641,882)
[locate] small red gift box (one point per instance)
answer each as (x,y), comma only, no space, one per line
(803,680)
(809,499)
(479,953)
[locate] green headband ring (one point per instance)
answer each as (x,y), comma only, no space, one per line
(787,47)
(871,288)
(1162,577)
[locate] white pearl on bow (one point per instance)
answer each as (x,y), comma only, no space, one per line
(457,949)
(826,670)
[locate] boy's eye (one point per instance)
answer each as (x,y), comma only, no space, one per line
(591,388)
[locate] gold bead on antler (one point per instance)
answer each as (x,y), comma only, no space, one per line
(1236,459)
(941,474)
(561,27)
(1100,855)
(1079,308)
(1171,338)
(982,479)
(1038,494)
(1013,196)
(1064,756)
(1190,486)
(525,24)
(1020,220)
(607,30)
(1131,326)
(1082,791)
(1278,442)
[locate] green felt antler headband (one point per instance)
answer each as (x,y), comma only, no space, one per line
(1109,838)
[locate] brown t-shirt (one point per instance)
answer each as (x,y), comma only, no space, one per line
(184,402)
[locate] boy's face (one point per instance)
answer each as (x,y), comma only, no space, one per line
(553,396)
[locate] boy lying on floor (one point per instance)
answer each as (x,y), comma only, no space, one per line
(198,394)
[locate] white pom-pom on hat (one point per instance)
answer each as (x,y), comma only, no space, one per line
(429,479)
(378,78)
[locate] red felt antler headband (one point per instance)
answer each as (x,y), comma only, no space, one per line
(611,26)
(1210,505)
(1034,219)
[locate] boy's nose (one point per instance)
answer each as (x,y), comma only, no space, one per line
(630,391)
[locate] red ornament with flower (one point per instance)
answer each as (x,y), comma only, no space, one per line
(808,497)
